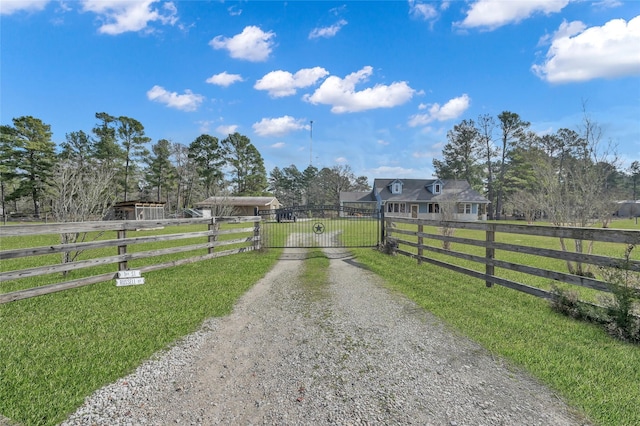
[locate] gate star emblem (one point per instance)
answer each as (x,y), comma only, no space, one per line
(318,228)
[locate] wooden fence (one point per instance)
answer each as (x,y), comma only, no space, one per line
(212,238)
(412,241)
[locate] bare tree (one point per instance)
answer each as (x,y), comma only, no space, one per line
(79,194)
(448,206)
(525,202)
(486,126)
(577,193)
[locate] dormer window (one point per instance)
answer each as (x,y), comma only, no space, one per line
(434,187)
(395,187)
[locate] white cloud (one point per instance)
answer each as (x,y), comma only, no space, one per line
(234,10)
(383,142)
(454,108)
(492,14)
(283,83)
(607,4)
(578,53)
(227,130)
(422,154)
(224,79)
(7,7)
(278,145)
(252,44)
(123,16)
(341,160)
(327,32)
(420,10)
(187,102)
(343,97)
(279,126)
(204,125)
(392,171)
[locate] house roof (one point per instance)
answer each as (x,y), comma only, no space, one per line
(416,190)
(239,201)
(357,197)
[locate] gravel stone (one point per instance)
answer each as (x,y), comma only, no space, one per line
(350,353)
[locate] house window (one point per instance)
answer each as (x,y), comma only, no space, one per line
(433,208)
(397,188)
(436,188)
(464,208)
(396,208)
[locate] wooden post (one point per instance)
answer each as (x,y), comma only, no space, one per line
(490,252)
(122,266)
(420,243)
(256,235)
(382,227)
(213,226)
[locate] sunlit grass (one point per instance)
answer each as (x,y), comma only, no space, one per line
(57,349)
(53,259)
(612,250)
(592,371)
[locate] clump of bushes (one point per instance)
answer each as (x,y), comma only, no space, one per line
(619,314)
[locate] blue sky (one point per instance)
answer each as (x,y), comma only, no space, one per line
(382,81)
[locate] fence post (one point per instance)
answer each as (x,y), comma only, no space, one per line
(420,243)
(213,226)
(382,227)
(122,266)
(256,235)
(490,252)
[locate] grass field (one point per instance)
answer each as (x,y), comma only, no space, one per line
(57,349)
(613,250)
(589,369)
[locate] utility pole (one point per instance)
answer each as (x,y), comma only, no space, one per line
(311,143)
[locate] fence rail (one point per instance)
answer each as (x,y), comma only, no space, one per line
(412,235)
(249,239)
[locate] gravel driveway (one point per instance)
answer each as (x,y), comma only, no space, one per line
(349,353)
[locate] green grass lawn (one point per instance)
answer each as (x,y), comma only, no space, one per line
(54,239)
(57,349)
(593,372)
(614,250)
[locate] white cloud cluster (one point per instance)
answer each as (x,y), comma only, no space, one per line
(227,130)
(578,53)
(420,10)
(454,108)
(224,79)
(341,94)
(279,126)
(327,32)
(283,83)
(7,7)
(189,101)
(492,14)
(133,15)
(393,171)
(252,44)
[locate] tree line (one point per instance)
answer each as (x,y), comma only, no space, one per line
(569,177)
(82,177)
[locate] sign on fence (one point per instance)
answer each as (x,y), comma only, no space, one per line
(132,277)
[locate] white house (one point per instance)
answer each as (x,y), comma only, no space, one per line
(434,199)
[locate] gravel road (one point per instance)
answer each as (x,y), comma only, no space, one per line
(349,353)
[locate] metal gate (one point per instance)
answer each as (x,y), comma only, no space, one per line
(321,226)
